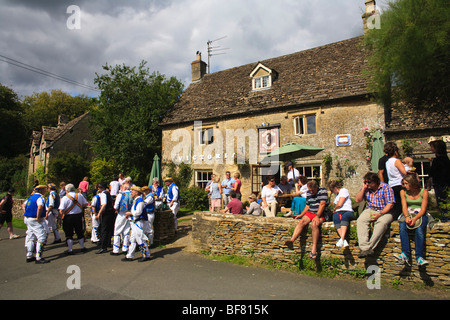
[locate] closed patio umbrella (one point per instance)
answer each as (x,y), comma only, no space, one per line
(156,170)
(377,150)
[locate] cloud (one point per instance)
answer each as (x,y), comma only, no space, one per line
(165,33)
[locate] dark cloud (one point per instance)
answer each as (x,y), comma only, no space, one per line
(165,33)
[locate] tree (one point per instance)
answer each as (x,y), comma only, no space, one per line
(125,126)
(43,109)
(13,135)
(409,55)
(67,166)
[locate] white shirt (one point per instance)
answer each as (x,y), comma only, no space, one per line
(51,202)
(269,193)
(137,210)
(114,186)
(303,190)
(66,203)
(347,206)
(148,198)
(293,176)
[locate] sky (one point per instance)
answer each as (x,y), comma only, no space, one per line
(73,43)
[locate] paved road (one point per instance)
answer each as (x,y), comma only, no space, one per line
(171,274)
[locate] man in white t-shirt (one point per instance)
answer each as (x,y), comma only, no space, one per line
(72,213)
(114,187)
(293,174)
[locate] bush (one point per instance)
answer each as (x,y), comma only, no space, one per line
(69,167)
(13,173)
(102,171)
(194,198)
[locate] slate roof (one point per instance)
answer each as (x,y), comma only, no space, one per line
(52,134)
(328,72)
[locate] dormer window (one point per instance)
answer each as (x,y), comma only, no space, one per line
(261,77)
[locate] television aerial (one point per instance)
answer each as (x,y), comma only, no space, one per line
(214,51)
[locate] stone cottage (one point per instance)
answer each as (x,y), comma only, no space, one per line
(229,120)
(66,136)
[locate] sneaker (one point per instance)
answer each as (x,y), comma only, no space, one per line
(421,261)
(340,243)
(14,236)
(345,244)
(402,257)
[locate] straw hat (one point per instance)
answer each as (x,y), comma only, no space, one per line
(138,189)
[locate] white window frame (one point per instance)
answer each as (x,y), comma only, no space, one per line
(419,165)
(261,82)
(312,166)
(303,119)
(262,85)
(202,182)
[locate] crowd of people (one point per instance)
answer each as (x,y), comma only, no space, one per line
(124,212)
(393,193)
(122,216)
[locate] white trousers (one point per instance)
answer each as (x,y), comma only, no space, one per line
(138,238)
(271,209)
(174,208)
(95,229)
(35,238)
(121,232)
(148,228)
(51,224)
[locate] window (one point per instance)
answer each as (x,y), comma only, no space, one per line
(312,172)
(261,82)
(305,124)
(422,169)
(206,136)
(202,178)
(259,176)
(261,77)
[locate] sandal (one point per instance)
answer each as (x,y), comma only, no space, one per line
(313,256)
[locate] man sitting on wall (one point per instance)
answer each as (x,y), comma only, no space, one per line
(380,202)
(235,206)
(314,211)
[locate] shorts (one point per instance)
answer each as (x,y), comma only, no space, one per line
(312,215)
(5,217)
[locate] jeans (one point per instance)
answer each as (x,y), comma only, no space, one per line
(343,218)
(420,234)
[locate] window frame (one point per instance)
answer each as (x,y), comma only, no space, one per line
(201,183)
(201,136)
(303,120)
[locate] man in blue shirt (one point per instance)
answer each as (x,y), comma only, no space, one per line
(227,185)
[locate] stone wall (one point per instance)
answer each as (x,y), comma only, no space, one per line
(163,226)
(265,237)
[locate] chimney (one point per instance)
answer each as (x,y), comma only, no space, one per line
(62,120)
(371,18)
(198,68)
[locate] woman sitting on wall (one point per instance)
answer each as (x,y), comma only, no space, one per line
(343,211)
(414,205)
(299,201)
